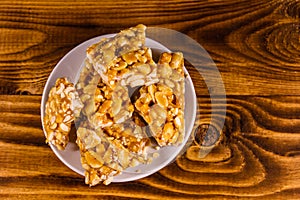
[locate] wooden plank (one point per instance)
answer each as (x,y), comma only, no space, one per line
(254,159)
(254,44)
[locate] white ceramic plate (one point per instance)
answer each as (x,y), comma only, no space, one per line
(70,66)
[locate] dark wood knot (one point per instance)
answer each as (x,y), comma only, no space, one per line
(206,135)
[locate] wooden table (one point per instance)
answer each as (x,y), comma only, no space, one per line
(256,47)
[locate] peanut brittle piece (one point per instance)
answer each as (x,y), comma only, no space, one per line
(162,104)
(171,73)
(104,156)
(95,170)
(103,53)
(160,108)
(60,109)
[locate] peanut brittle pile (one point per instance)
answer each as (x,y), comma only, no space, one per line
(125,99)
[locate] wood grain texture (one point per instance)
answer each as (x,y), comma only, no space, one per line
(241,36)
(254,159)
(256,47)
